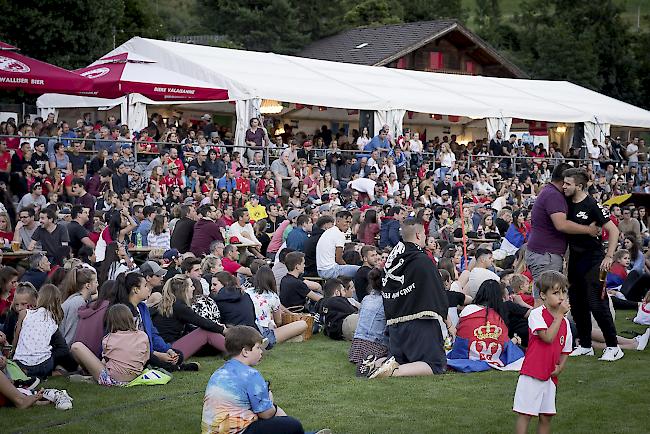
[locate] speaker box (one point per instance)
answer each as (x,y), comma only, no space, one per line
(367,119)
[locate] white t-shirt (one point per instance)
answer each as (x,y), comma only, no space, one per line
(476,277)
(415,146)
(236,230)
(364,185)
(34,342)
(632,149)
(326,248)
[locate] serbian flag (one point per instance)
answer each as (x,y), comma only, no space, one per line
(482,343)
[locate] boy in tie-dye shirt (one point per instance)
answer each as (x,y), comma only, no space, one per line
(237,399)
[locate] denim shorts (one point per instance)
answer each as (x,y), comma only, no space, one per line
(270,335)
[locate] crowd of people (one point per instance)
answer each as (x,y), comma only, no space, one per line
(414,252)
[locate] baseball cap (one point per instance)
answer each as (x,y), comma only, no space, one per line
(126,145)
(171,254)
(150,268)
(443,192)
(324,208)
(334,191)
(206,117)
(293,214)
(234,240)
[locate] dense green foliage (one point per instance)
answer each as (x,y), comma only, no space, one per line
(592,43)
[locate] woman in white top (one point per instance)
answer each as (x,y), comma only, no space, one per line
(447,159)
(34,332)
(363,140)
(268,310)
(159,236)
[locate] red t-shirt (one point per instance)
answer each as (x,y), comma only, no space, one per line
(5,160)
(6,304)
(230,266)
(541,358)
(243,185)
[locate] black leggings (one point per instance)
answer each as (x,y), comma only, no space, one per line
(275,425)
(158,363)
(587,296)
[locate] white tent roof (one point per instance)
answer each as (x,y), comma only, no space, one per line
(249,74)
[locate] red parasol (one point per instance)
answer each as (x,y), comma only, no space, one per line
(124,73)
(33,76)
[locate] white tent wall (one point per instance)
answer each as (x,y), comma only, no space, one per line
(246,110)
(393,118)
(596,131)
(498,124)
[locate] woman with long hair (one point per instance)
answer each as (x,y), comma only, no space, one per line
(174,316)
(6,231)
(368,228)
(78,287)
(159,236)
(90,328)
(8,281)
(268,315)
(131,289)
(116,261)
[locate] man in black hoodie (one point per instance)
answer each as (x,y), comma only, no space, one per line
(414,302)
(322,224)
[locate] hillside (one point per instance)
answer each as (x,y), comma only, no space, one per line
(634,9)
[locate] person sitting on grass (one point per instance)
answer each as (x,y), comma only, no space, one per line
(370,337)
(125,350)
(235,306)
(548,349)
(335,312)
(34,332)
(643,315)
(10,394)
(131,289)
(237,399)
(268,309)
(293,291)
(90,329)
(173,317)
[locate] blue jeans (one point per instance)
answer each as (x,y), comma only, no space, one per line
(339,270)
(42,370)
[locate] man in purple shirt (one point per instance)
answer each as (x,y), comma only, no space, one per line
(547,243)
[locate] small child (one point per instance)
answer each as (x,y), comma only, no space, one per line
(521,286)
(338,316)
(34,331)
(237,398)
(125,350)
(618,271)
(550,343)
(643,315)
(24,298)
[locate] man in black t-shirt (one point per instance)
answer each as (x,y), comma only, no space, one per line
(52,236)
(77,234)
(293,291)
(587,262)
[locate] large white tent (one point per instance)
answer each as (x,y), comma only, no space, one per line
(251,76)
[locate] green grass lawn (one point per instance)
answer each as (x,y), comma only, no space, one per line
(314,382)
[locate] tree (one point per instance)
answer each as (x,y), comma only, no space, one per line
(427,10)
(584,42)
(259,25)
(373,13)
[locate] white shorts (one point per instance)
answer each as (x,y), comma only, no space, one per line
(534,397)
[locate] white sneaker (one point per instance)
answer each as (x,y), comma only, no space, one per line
(582,351)
(61,398)
(611,354)
(386,369)
(642,340)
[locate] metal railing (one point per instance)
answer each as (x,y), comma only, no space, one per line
(270,153)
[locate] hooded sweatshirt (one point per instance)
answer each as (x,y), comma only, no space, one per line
(411,287)
(236,307)
(90,329)
(388,233)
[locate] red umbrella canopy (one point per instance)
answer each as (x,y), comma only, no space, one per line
(33,76)
(126,73)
